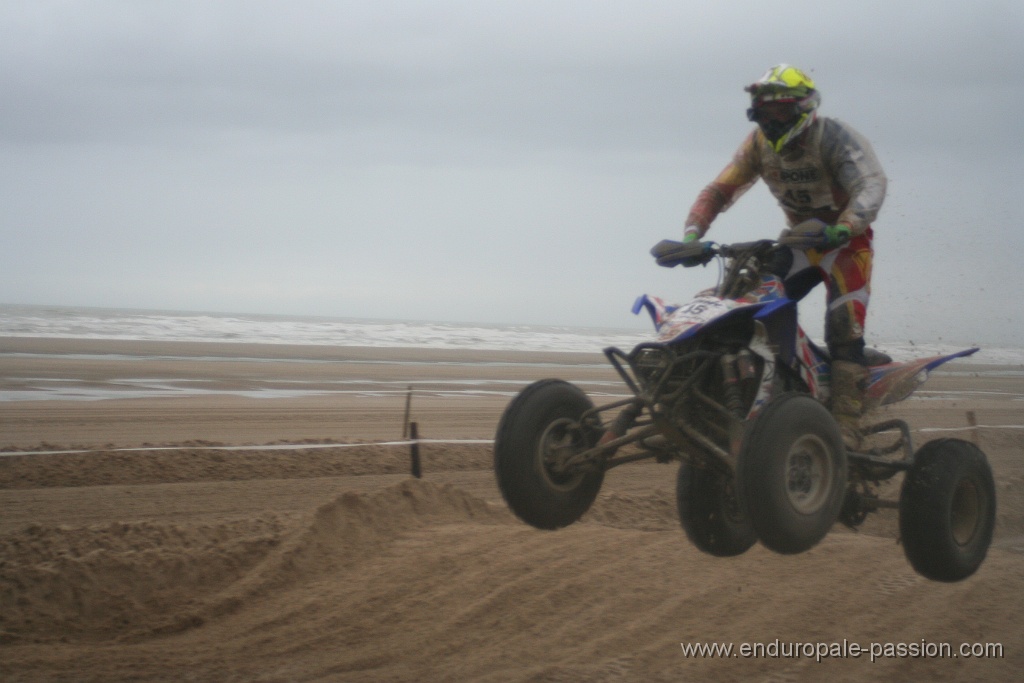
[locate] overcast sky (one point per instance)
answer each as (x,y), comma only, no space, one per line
(487,161)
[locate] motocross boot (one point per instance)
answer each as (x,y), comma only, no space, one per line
(848,380)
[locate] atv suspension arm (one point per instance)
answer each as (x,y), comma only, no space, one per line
(875,457)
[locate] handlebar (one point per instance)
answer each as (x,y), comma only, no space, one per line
(670,253)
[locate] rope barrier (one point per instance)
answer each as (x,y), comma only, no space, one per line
(269,447)
(409,429)
(404,442)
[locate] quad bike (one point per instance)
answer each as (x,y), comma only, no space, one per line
(733,389)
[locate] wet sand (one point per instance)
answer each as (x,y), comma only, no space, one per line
(331,564)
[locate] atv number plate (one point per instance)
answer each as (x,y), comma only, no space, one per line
(694,314)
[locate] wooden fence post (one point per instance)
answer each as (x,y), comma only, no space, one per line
(405,420)
(414,451)
(972,420)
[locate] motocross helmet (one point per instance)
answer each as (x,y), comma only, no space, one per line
(783,102)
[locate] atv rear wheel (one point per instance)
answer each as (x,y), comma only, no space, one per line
(538,432)
(947,510)
(792,473)
(710,511)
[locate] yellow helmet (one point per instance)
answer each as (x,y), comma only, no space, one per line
(783,85)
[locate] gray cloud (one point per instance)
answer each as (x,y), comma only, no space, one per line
(505,161)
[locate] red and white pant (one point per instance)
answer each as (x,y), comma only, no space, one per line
(846,272)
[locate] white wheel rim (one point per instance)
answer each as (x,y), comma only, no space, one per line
(809,474)
(555,444)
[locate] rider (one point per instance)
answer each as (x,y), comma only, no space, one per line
(817,168)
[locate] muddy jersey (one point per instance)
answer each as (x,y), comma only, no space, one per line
(830,173)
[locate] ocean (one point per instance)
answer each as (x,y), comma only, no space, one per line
(64,322)
(111,323)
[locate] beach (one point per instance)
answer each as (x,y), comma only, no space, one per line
(245,512)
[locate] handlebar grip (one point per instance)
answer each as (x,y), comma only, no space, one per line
(669,253)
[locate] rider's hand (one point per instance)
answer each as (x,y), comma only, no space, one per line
(692,234)
(699,260)
(826,237)
(835,236)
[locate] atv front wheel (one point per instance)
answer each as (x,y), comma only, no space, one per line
(539,431)
(947,510)
(710,512)
(792,473)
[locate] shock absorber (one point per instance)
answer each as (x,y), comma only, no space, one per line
(746,366)
(623,422)
(731,385)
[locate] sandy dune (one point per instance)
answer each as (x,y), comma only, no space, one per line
(333,565)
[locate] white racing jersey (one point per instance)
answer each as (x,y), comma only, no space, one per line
(830,173)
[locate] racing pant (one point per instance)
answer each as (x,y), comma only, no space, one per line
(846,271)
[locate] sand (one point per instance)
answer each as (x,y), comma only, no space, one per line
(331,564)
